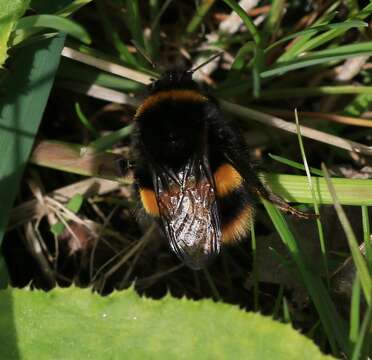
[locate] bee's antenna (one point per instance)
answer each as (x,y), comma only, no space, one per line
(144,54)
(206,62)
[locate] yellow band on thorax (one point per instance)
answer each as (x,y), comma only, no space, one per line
(174,95)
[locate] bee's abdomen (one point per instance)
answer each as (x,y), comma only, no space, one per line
(235,205)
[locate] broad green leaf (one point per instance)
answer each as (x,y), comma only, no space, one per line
(29,24)
(21,109)
(76,324)
(10,11)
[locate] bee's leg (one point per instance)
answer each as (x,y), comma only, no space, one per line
(281,204)
(233,145)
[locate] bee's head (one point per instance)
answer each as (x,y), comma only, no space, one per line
(170,80)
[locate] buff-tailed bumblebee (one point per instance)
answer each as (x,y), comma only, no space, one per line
(192,170)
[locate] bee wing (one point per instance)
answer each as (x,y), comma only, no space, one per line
(188,212)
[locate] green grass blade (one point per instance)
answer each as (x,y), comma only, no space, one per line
(273,20)
(315,203)
(325,19)
(74,6)
(286,313)
(320,57)
(57,7)
(133,19)
(246,20)
(293,188)
(254,267)
(278,301)
(258,60)
(22,106)
(360,263)
(113,37)
(316,29)
(309,44)
(367,237)
(295,164)
(54,22)
(239,61)
(355,312)
(363,346)
(85,121)
(157,16)
(328,315)
(197,19)
(153,43)
(327,36)
(106,142)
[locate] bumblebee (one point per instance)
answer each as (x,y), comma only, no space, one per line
(192,171)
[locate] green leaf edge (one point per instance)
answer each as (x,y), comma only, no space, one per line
(160,311)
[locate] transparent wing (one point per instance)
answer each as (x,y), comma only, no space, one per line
(189,213)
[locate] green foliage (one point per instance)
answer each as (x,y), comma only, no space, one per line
(359,105)
(123,325)
(28,88)
(73,205)
(10,12)
(75,324)
(294,189)
(360,262)
(58,7)
(29,25)
(333,324)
